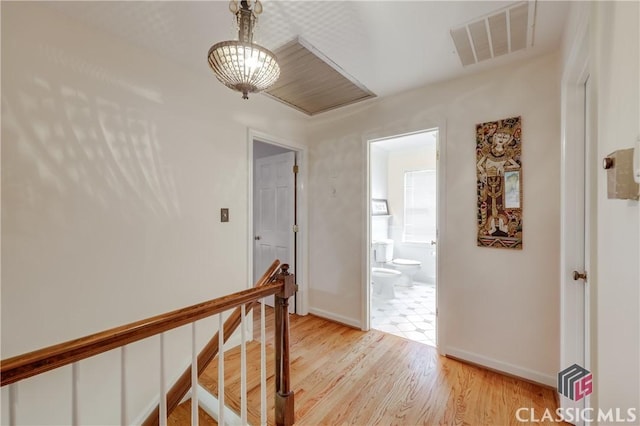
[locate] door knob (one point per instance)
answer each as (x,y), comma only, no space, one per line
(257,237)
(579,276)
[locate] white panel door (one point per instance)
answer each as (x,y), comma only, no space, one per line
(274,213)
(574,290)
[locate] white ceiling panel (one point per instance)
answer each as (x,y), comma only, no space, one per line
(389,46)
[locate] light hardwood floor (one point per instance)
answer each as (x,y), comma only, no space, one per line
(341,376)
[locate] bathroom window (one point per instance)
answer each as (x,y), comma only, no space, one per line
(419,206)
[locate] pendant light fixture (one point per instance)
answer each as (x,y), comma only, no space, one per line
(243,65)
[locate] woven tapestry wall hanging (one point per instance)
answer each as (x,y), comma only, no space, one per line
(499,174)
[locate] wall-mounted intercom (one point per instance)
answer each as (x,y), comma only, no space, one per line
(621,183)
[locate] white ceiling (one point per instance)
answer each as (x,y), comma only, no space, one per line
(389,46)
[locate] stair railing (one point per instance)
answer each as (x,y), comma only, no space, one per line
(275,281)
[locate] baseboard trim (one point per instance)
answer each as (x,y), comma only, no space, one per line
(234,340)
(335,317)
(501,367)
(147,411)
(210,405)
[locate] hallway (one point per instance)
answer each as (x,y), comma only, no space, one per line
(341,375)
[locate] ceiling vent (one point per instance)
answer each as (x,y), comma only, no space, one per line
(505,31)
(312,83)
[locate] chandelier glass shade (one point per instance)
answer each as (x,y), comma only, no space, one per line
(243,65)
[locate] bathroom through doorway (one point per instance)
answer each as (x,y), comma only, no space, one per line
(402,240)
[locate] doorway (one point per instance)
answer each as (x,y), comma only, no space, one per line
(577,219)
(403,188)
(277,211)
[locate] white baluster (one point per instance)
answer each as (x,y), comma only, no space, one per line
(263,366)
(243,367)
(74,394)
(220,370)
(13,403)
(123,386)
(194,376)
(163,391)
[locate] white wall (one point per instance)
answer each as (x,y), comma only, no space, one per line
(115,163)
(615,50)
(497,307)
(379,172)
(399,163)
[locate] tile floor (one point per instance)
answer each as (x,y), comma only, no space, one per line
(410,315)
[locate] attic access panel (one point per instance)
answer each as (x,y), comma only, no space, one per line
(312,83)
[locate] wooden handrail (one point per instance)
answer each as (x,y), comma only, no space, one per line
(33,363)
(208,353)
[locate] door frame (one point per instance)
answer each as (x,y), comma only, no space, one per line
(302,252)
(440,125)
(578,145)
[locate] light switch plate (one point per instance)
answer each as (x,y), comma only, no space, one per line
(224,215)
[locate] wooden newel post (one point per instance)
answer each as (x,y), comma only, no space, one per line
(284,395)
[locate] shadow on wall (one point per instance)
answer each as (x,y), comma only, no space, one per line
(83,174)
(58,138)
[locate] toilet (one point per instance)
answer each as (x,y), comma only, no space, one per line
(383,281)
(408,267)
(383,255)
